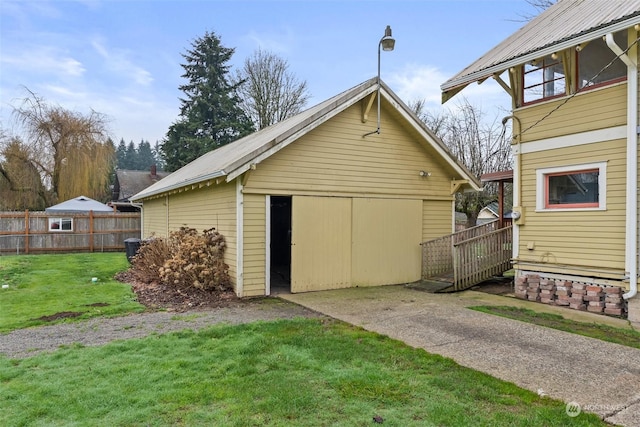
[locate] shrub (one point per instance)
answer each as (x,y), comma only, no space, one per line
(186,259)
(150,258)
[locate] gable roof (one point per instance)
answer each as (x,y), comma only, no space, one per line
(131,182)
(566,24)
(79,204)
(232,160)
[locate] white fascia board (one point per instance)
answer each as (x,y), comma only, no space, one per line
(196,180)
(545,51)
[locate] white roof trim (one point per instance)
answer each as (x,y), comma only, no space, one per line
(484,73)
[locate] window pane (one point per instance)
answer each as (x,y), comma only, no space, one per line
(575,188)
(595,62)
(543,78)
(60,224)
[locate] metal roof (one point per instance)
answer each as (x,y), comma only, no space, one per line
(231,160)
(79,204)
(566,24)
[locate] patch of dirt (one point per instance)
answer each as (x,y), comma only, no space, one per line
(97,304)
(495,287)
(158,296)
(60,315)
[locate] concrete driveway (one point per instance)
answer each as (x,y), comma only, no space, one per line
(601,377)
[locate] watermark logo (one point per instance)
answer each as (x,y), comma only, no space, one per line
(573,409)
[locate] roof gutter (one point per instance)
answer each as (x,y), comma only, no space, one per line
(631,255)
(484,73)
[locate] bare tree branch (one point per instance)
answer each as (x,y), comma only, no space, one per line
(69,150)
(269,93)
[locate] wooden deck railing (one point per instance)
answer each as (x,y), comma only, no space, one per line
(482,257)
(469,256)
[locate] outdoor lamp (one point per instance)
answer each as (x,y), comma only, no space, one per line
(387,43)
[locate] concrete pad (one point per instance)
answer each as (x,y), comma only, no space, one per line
(601,377)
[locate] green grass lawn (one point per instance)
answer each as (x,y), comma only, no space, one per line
(628,337)
(44,285)
(302,372)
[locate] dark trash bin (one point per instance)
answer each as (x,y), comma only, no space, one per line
(131,247)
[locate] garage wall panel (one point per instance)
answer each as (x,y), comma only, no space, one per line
(386,241)
(320,243)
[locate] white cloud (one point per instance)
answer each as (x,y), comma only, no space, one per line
(279,43)
(44,60)
(422,82)
(118,61)
(417,82)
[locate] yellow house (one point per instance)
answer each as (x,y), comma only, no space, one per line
(321,200)
(572,75)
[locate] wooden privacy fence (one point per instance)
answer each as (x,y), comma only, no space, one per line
(468,257)
(29,232)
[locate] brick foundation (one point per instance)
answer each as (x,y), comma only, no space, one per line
(574,295)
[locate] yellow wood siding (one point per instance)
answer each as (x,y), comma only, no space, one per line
(320,243)
(590,110)
(154,218)
(207,207)
(335,159)
(326,171)
(591,239)
(386,241)
(254,245)
(437,217)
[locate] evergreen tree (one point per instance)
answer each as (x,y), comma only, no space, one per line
(130,156)
(121,154)
(210,115)
(144,159)
(157,156)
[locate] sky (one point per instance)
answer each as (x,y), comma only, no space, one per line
(122,58)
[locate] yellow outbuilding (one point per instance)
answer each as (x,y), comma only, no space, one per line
(321,200)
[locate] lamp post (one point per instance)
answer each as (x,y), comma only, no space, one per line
(386,43)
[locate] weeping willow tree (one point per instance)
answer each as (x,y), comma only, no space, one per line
(20,183)
(71,151)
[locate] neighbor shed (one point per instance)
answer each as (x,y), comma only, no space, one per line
(79,204)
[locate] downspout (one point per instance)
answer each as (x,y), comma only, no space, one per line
(631,255)
(139,206)
(517,179)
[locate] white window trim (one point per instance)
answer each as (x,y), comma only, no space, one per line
(602,186)
(59,219)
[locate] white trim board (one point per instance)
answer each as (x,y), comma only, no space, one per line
(583,138)
(267,245)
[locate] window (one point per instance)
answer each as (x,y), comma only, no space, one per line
(572,188)
(544,78)
(60,224)
(595,66)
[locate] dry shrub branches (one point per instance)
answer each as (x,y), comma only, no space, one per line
(186,259)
